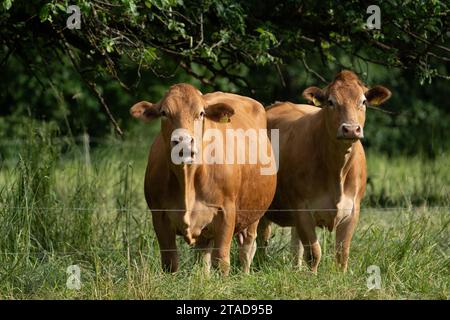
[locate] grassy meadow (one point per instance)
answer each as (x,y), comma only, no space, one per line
(63,203)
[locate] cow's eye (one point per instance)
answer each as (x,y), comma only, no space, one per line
(364,104)
(163,113)
(202,114)
(330,103)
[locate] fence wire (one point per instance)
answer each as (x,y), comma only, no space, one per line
(153,242)
(112,142)
(407,209)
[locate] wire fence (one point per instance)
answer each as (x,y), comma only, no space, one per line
(85,141)
(49,252)
(113,209)
(153,242)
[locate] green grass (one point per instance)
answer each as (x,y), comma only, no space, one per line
(60,207)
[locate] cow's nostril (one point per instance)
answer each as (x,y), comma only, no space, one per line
(345,129)
(175,142)
(358,130)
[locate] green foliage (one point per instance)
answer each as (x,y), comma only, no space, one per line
(268,50)
(252,33)
(6,4)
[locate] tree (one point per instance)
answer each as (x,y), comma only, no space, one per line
(214,40)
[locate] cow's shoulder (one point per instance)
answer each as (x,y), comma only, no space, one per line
(157,158)
(157,147)
(157,170)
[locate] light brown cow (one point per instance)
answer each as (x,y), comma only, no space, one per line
(322,166)
(205,203)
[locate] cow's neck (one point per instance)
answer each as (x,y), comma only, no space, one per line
(181,217)
(342,154)
(187,175)
(187,181)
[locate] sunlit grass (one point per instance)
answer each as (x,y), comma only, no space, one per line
(59,207)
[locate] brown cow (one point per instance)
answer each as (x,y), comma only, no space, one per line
(205,203)
(322,166)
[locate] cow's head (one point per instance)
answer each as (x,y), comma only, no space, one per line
(345,101)
(182,108)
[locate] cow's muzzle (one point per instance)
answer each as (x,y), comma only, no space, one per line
(350,131)
(184,147)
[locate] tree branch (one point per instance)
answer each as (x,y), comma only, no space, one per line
(91,85)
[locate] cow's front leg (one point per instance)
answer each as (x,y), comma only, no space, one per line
(203,249)
(224,224)
(247,246)
(167,241)
(305,226)
(344,234)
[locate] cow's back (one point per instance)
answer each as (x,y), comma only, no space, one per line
(281,114)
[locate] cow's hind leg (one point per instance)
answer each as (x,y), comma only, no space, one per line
(296,248)
(167,241)
(312,254)
(247,246)
(262,239)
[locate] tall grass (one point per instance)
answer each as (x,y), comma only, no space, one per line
(63,203)
(408,181)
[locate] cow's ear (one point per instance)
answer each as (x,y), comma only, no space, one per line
(145,111)
(314,95)
(377,95)
(219,112)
